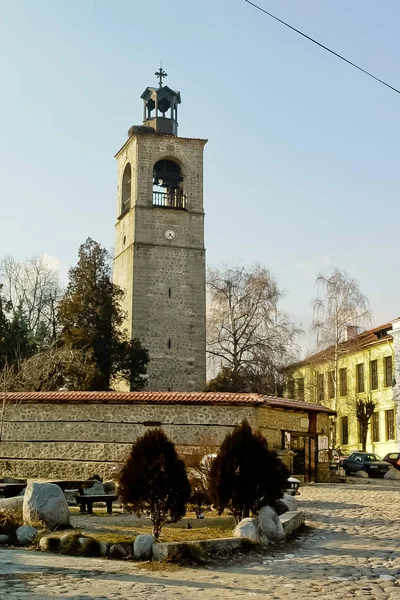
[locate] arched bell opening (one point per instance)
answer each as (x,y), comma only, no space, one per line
(168,185)
(126,189)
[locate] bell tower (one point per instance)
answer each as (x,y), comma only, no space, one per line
(159,247)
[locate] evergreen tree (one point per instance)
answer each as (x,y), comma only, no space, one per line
(91,318)
(154,479)
(245,475)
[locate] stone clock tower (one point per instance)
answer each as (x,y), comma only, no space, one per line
(159,247)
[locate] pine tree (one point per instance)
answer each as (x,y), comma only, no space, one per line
(154,479)
(91,318)
(245,475)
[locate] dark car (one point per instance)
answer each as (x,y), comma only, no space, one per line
(365,461)
(394,459)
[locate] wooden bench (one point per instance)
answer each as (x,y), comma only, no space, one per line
(86,502)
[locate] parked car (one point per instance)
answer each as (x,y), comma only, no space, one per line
(365,461)
(394,459)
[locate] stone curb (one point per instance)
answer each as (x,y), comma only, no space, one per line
(291,521)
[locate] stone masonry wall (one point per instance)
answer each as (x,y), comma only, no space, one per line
(53,440)
(164,280)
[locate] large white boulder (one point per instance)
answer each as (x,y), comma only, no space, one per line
(247,528)
(142,546)
(362,475)
(45,502)
(97,489)
(269,525)
(290,502)
(392,474)
(13,506)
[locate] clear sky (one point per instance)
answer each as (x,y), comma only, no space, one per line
(302,164)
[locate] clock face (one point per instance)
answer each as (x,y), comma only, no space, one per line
(170,234)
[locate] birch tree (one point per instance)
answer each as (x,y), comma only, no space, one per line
(339,305)
(249,338)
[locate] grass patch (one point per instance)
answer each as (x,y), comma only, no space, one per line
(158,566)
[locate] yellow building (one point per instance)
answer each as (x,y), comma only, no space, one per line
(364,369)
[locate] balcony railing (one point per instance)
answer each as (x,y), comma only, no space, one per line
(174,199)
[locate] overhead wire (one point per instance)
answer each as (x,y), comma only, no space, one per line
(322,46)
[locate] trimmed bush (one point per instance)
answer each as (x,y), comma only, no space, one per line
(154,479)
(246,475)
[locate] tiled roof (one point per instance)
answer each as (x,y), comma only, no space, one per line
(363,340)
(222,398)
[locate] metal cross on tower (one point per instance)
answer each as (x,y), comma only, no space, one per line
(161,74)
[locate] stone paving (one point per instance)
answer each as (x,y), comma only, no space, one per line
(352,550)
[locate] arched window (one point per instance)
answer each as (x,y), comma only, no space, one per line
(168,190)
(126,189)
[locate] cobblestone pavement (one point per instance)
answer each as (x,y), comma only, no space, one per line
(352,550)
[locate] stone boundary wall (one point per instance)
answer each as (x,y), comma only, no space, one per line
(77,440)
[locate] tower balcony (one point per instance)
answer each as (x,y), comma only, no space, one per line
(172,199)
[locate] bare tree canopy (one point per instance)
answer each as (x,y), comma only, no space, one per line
(249,338)
(32,288)
(340,305)
(340,309)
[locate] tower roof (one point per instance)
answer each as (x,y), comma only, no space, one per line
(150,92)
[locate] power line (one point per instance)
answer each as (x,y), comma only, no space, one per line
(322,46)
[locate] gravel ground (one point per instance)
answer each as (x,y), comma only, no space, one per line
(352,549)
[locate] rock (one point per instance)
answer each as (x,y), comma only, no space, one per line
(247,528)
(96,490)
(25,535)
(392,474)
(280,507)
(269,526)
(362,475)
(45,502)
(291,502)
(3,538)
(70,496)
(142,546)
(103,547)
(13,506)
(120,551)
(386,577)
(49,543)
(110,487)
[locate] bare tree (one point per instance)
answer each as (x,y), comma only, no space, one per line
(33,288)
(248,336)
(52,369)
(340,306)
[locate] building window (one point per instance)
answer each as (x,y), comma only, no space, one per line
(375,427)
(300,388)
(387,361)
(169,344)
(373,365)
(169,292)
(343,382)
(344,422)
(320,387)
(389,415)
(290,388)
(126,189)
(331,384)
(360,378)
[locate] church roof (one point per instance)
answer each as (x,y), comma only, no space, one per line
(198,398)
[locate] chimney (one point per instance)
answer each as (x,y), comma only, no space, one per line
(351,332)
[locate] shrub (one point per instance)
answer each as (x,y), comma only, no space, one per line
(154,479)
(245,475)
